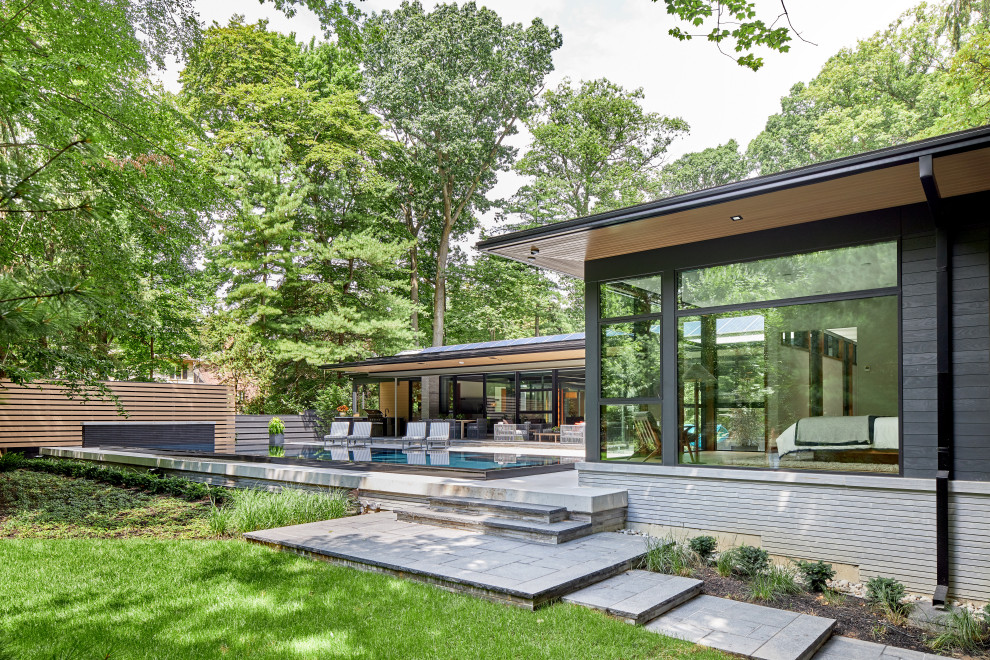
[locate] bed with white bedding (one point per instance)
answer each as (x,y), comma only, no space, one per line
(839,434)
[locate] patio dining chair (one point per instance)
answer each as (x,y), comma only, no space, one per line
(338,433)
(439,435)
(415,434)
(361,435)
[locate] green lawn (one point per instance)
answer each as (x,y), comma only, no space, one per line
(140,597)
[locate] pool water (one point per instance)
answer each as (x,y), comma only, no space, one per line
(459,459)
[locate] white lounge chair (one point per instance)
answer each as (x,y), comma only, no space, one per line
(439,435)
(415,434)
(361,435)
(338,434)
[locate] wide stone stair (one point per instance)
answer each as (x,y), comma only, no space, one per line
(536,523)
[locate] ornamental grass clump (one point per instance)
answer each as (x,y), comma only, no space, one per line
(666,555)
(963,631)
(251,510)
(772,583)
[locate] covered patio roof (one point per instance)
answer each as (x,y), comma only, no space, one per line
(867,182)
(550,352)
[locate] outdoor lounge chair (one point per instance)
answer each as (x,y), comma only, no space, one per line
(439,435)
(338,433)
(361,435)
(415,434)
(340,453)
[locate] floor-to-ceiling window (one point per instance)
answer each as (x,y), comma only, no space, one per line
(500,397)
(630,395)
(791,362)
(536,396)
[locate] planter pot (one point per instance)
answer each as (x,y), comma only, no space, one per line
(276,439)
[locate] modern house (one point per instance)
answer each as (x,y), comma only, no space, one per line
(537,379)
(799,361)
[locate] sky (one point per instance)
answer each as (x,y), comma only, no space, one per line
(626,41)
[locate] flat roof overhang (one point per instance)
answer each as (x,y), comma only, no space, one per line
(866,182)
(557,355)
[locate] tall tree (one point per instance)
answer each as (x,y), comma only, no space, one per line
(594,149)
(703,169)
(102,192)
(455,82)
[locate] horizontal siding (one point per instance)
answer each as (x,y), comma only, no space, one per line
(918,451)
(886,532)
(42,415)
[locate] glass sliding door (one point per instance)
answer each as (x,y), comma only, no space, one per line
(500,397)
(536,397)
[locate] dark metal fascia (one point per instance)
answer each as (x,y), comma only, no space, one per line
(821,172)
(943,374)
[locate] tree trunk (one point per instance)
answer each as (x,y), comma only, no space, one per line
(440,288)
(414,286)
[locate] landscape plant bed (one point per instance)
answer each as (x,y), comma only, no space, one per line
(854,616)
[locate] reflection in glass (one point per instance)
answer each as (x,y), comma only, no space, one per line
(571,396)
(630,359)
(500,397)
(536,397)
(630,297)
(631,432)
(810,274)
(802,386)
(470,396)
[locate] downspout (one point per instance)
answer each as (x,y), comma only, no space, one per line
(943,325)
(395,429)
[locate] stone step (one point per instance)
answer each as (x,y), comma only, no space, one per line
(637,596)
(516,510)
(752,631)
(523,530)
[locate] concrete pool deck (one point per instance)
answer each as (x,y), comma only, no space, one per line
(603,507)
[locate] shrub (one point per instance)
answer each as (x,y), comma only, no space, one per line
(816,574)
(276,452)
(11,461)
(665,555)
(275,426)
(703,546)
(963,631)
(750,561)
(772,583)
(886,594)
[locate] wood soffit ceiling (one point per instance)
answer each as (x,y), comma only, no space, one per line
(899,185)
(508,361)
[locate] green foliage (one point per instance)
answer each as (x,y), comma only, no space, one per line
(276,426)
(276,452)
(744,560)
(734,23)
(704,547)
(962,632)
(452,84)
(704,169)
(11,460)
(666,555)
(102,190)
(594,149)
(816,574)
(772,583)
(39,505)
(251,510)
(886,595)
(146,481)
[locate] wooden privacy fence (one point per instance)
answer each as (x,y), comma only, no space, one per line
(252,431)
(39,416)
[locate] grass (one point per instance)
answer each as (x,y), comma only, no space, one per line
(962,631)
(40,505)
(143,597)
(772,583)
(250,510)
(666,555)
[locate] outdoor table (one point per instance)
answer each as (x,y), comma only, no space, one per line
(554,437)
(464,423)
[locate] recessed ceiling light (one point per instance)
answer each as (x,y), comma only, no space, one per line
(735,218)
(461,362)
(534,250)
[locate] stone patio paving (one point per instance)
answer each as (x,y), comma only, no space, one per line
(520,572)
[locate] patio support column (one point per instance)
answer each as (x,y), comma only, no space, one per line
(943,374)
(395,429)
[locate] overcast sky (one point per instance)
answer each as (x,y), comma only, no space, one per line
(626,41)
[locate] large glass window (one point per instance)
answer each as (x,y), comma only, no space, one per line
(825,272)
(631,432)
(500,397)
(570,404)
(630,359)
(633,297)
(813,386)
(536,397)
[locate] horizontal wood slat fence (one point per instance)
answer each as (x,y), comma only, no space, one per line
(41,415)
(252,431)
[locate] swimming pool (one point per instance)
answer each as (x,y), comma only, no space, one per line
(465,460)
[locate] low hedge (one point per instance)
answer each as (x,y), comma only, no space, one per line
(146,481)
